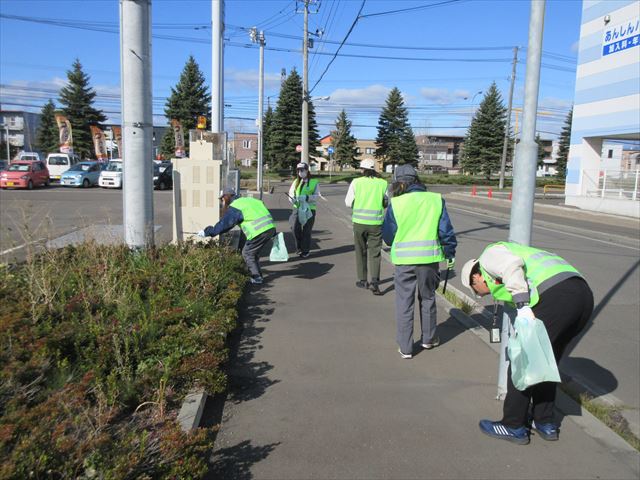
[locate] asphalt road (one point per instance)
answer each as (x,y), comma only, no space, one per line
(48,213)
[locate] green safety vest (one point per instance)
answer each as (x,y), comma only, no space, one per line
(308,188)
(367,206)
(542,270)
(256,217)
(416,242)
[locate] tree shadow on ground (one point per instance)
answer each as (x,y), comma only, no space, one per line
(248,379)
(235,462)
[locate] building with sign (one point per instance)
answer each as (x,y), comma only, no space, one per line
(606,108)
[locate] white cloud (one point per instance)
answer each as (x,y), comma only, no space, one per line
(443,96)
(371,95)
(236,80)
(575,46)
(555,103)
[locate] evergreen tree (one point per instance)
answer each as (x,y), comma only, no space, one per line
(485,137)
(395,141)
(286,128)
(563,147)
(343,142)
(189,99)
(168,144)
(77,99)
(268,156)
(541,151)
(48,136)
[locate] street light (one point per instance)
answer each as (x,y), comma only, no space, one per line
(259,39)
(472,99)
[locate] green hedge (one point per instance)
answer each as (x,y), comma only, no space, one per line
(99,346)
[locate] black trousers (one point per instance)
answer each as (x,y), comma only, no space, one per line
(564,309)
(302,234)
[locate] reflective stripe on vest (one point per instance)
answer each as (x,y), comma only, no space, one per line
(417,216)
(369,197)
(539,266)
(256,217)
(308,188)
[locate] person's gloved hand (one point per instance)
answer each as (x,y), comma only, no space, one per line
(201,233)
(526,312)
(451,262)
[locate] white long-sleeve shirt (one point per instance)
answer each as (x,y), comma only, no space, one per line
(501,264)
(313,198)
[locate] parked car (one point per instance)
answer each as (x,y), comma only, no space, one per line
(25,174)
(58,163)
(83,174)
(163,176)
(111,176)
(29,156)
(3,164)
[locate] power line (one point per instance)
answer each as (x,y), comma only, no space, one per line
(355,21)
(403,10)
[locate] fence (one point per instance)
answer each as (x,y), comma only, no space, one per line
(621,184)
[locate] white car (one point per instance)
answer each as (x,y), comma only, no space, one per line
(58,163)
(111,176)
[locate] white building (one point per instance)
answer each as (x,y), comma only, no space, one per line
(606,107)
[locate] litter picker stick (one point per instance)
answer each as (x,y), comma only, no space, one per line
(446,279)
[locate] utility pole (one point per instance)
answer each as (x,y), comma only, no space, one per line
(137,122)
(217,66)
(259,38)
(524,178)
(305,86)
(505,147)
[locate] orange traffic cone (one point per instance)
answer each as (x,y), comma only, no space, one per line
(490,193)
(473,191)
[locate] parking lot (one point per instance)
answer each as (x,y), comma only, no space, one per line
(29,218)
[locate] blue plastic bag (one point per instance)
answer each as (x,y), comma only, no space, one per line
(279,251)
(531,354)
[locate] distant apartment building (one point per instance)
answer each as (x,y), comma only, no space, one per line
(365,149)
(606,108)
(438,151)
(245,148)
(20,129)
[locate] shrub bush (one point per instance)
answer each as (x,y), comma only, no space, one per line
(99,345)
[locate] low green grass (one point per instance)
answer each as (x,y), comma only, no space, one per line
(463,305)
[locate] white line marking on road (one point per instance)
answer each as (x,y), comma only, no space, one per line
(4,252)
(608,242)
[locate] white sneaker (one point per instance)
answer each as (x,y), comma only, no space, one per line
(405,355)
(432,344)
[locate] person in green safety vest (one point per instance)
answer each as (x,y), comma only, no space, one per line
(540,285)
(256,224)
(367,196)
(418,228)
(304,194)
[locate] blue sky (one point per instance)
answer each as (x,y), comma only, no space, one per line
(439,85)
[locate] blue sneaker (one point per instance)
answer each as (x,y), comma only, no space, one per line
(498,430)
(547,431)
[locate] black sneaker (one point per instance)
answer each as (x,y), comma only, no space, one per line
(375,289)
(362,284)
(304,255)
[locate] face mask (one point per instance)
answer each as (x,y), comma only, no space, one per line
(303,174)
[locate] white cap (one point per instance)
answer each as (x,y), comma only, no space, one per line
(302,166)
(368,163)
(466,272)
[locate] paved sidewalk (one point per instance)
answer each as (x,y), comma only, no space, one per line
(318,390)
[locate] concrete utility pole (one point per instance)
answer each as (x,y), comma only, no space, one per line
(524,178)
(217,66)
(505,147)
(305,86)
(259,38)
(137,122)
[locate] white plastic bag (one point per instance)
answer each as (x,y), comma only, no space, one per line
(531,354)
(279,251)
